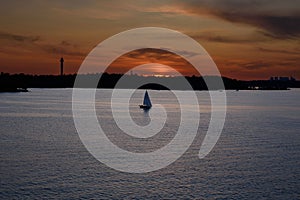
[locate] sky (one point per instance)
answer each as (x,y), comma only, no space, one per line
(247,39)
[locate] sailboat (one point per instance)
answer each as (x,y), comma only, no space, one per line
(147,103)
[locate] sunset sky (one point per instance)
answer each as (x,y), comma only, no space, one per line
(248,39)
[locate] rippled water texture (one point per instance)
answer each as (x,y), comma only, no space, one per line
(256,157)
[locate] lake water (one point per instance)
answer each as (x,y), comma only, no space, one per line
(256,157)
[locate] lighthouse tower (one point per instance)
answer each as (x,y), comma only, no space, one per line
(62,66)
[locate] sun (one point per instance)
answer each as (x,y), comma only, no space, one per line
(154,69)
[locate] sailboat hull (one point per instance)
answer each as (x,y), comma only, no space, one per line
(145,107)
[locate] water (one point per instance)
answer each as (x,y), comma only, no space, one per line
(256,157)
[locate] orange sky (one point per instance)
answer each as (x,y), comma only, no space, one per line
(247,39)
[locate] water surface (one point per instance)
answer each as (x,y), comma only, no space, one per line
(256,157)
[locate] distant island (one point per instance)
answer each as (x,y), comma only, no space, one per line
(20,82)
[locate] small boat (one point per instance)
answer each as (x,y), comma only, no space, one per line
(147,103)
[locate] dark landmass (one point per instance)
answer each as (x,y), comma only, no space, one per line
(20,82)
(13,89)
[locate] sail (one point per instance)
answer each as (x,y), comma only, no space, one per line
(147,101)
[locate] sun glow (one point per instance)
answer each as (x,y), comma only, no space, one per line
(155,69)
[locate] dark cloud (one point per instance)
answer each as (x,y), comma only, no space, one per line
(276,26)
(34,42)
(65,43)
(182,52)
(280,19)
(57,49)
(151,53)
(269,35)
(228,37)
(282,51)
(19,38)
(255,65)
(211,37)
(163,56)
(68,44)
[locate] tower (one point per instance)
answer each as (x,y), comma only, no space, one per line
(62,66)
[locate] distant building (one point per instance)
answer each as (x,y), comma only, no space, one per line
(62,66)
(282,78)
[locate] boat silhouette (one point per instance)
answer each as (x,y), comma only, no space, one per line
(147,102)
